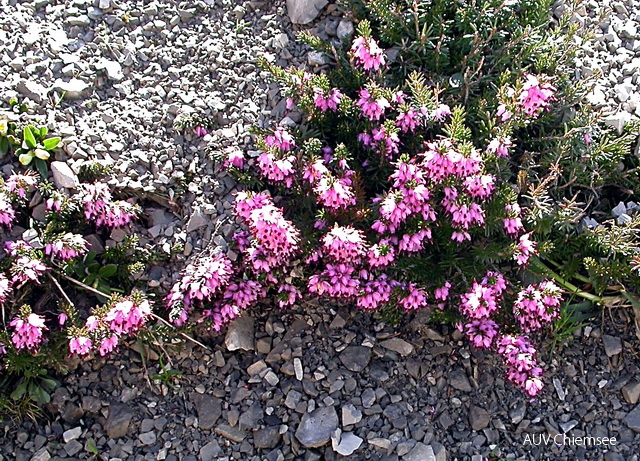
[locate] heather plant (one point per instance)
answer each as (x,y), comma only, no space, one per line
(51,245)
(403,190)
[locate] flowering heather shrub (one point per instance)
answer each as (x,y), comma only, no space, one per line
(395,207)
(42,268)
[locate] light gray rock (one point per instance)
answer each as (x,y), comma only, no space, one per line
(240,334)
(147,438)
(633,419)
(41,455)
(398,345)
(63,176)
(355,358)
(315,428)
(304,11)
(73,89)
(612,345)
(420,452)
(117,423)
(210,451)
(345,29)
(197,220)
(350,415)
(234,434)
(72,434)
(349,443)
(32,90)
(631,392)
(478,418)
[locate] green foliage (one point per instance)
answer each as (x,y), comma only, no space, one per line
(29,143)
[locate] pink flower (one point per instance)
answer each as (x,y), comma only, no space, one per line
(481,332)
(442,293)
(407,121)
(328,101)
(381,255)
(288,295)
(537,305)
(25,269)
(344,244)
(277,170)
(372,105)
(503,113)
(99,207)
(480,302)
(28,331)
(236,159)
(107,345)
(198,282)
(442,111)
(415,299)
(366,53)
(333,193)
(67,246)
(80,345)
(62,319)
(375,293)
(524,250)
(200,131)
(21,184)
(535,97)
(500,146)
(7,214)
(127,317)
(480,186)
(280,139)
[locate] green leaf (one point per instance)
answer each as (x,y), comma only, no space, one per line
(41,396)
(43,131)
(49,383)
(25,159)
(90,446)
(29,138)
(42,168)
(108,271)
(4,146)
(51,143)
(19,391)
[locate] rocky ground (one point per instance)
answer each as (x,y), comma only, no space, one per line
(322,384)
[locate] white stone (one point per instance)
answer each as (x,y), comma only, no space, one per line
(349,442)
(304,11)
(63,176)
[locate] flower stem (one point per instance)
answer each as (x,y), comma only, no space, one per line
(568,286)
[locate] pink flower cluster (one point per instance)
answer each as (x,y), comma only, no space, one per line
(366,53)
(100,207)
(537,305)
(534,98)
(26,266)
(198,282)
(327,101)
(28,330)
(280,139)
(344,244)
(120,317)
(66,246)
(275,240)
(519,358)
